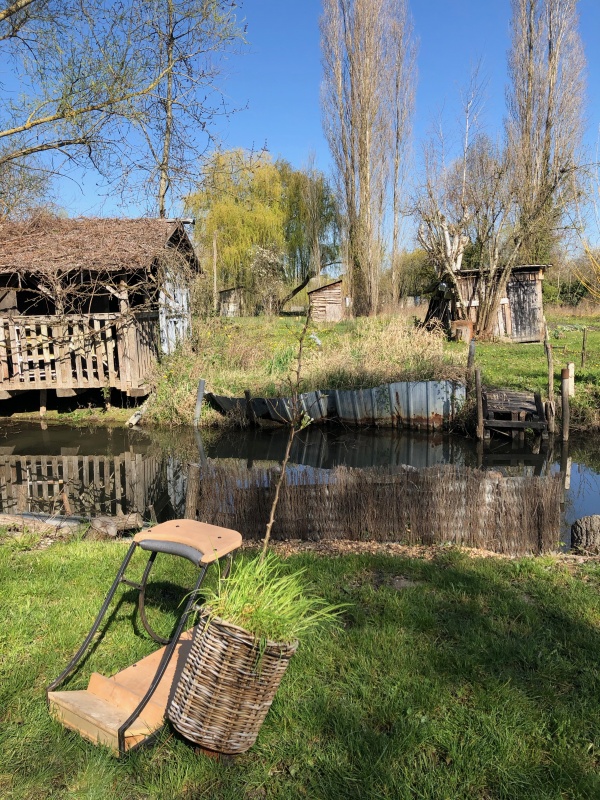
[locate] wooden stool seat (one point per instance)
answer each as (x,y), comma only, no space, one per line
(199,542)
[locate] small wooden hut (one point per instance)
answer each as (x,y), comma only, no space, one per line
(90,303)
(326,302)
(520,313)
(231,302)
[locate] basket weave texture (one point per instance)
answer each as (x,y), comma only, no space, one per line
(227,686)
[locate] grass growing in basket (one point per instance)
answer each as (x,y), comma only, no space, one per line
(268,602)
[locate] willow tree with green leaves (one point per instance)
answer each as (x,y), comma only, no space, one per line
(264,225)
(240,206)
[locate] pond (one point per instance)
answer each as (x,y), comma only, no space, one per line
(54,469)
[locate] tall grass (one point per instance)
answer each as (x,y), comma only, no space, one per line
(270,603)
(256,353)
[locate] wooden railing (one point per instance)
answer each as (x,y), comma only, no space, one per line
(77,351)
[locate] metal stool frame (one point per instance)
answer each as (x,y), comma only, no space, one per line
(170,643)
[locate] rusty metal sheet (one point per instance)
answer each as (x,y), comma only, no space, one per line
(281,409)
(418,404)
(428,404)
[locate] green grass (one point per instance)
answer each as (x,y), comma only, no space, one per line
(268,602)
(473,679)
(524,366)
(260,354)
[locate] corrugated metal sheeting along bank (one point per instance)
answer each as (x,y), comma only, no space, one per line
(418,404)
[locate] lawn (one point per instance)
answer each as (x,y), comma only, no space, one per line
(525,367)
(451,678)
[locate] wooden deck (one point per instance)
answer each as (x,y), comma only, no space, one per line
(512,412)
(77,352)
(86,485)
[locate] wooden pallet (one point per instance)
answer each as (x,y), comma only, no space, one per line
(513,411)
(98,711)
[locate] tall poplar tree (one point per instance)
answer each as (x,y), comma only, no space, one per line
(368,64)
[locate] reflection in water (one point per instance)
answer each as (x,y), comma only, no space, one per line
(92,471)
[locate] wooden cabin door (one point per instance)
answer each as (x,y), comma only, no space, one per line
(525,301)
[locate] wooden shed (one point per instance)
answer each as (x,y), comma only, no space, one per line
(520,314)
(326,302)
(231,302)
(90,303)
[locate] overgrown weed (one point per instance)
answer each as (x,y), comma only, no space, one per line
(255,353)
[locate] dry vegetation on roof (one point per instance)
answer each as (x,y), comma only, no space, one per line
(46,243)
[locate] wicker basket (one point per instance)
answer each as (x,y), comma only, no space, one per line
(227,686)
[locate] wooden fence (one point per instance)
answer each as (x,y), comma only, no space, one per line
(77,351)
(448,504)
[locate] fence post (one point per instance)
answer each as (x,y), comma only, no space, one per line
(479,404)
(192,491)
(571,368)
(199,398)
(566,417)
(470,365)
(584,348)
(550,407)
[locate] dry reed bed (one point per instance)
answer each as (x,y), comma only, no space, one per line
(438,505)
(382,350)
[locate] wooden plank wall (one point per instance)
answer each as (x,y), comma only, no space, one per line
(520,315)
(326,303)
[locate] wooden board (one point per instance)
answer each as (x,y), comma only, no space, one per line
(98,711)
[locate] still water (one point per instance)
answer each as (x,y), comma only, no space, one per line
(55,469)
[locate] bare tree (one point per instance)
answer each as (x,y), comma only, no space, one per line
(506,203)
(545,122)
(91,72)
(401,107)
(366,109)
(444,204)
(185,42)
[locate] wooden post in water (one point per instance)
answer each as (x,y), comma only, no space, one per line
(550,407)
(479,404)
(571,368)
(193,491)
(470,365)
(249,409)
(43,402)
(566,416)
(199,398)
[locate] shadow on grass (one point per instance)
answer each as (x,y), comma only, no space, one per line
(476,682)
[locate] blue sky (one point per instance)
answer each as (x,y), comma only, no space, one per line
(278,77)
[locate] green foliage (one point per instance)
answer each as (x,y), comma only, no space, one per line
(239,200)
(271,223)
(414,276)
(267,601)
(524,366)
(311,221)
(566,292)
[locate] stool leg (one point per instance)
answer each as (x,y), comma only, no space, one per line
(142,600)
(107,600)
(164,662)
